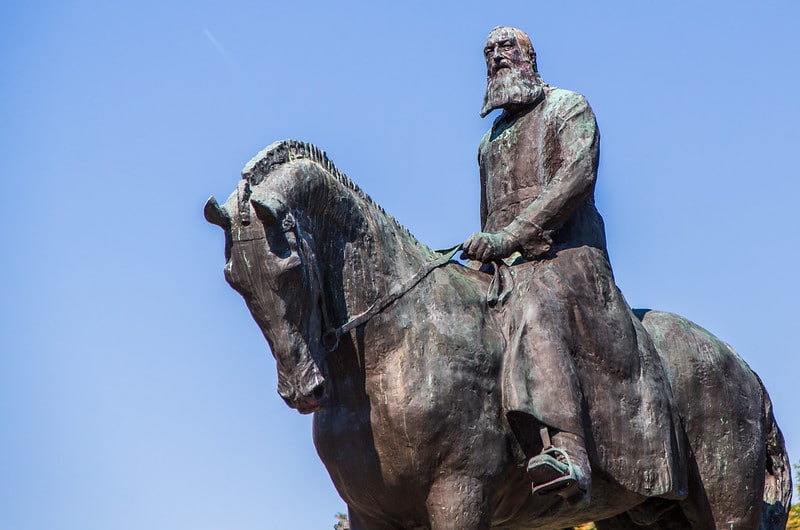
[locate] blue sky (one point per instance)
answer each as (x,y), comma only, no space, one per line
(135,390)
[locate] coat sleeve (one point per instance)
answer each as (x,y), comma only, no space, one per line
(484,204)
(571,179)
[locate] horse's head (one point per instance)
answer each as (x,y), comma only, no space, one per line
(271,263)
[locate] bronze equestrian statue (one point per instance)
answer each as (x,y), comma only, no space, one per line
(518,393)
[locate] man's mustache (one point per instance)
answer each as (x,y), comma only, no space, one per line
(500,64)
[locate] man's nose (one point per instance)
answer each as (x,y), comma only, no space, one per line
(497,54)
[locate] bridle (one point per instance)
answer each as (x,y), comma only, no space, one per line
(331,335)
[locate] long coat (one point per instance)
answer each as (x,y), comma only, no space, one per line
(578,359)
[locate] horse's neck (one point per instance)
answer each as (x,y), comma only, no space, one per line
(364,252)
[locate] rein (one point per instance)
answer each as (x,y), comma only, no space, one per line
(330,339)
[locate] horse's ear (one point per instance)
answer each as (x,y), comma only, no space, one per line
(265,212)
(215,215)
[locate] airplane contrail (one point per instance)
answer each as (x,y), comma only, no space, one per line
(214,42)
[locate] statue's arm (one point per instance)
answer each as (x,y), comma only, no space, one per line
(484,205)
(569,183)
(470,246)
(483,147)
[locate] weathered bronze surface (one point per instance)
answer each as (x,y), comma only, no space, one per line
(526,394)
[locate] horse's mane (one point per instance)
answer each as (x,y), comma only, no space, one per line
(284,151)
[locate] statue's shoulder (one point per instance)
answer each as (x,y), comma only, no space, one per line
(561,98)
(565,105)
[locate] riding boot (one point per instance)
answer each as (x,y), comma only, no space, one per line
(562,467)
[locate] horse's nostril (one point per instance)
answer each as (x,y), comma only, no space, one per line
(319,392)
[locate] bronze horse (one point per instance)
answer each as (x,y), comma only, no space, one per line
(396,352)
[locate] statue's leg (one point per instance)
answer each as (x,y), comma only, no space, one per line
(459,503)
(543,398)
(539,375)
(736,512)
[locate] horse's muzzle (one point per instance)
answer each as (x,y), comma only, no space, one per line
(310,402)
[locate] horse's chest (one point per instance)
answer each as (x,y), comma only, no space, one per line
(428,404)
(371,462)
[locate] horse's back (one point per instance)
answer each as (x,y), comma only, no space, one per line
(727,419)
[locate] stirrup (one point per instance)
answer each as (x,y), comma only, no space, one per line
(553,472)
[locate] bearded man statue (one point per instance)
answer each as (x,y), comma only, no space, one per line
(583,388)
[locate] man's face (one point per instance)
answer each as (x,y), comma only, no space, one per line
(512,80)
(502,51)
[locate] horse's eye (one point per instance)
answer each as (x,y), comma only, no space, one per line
(288,222)
(278,242)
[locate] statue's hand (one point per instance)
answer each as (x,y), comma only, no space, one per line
(485,247)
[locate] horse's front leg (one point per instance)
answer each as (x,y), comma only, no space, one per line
(458,503)
(360,521)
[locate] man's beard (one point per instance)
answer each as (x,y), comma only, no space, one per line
(511,87)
